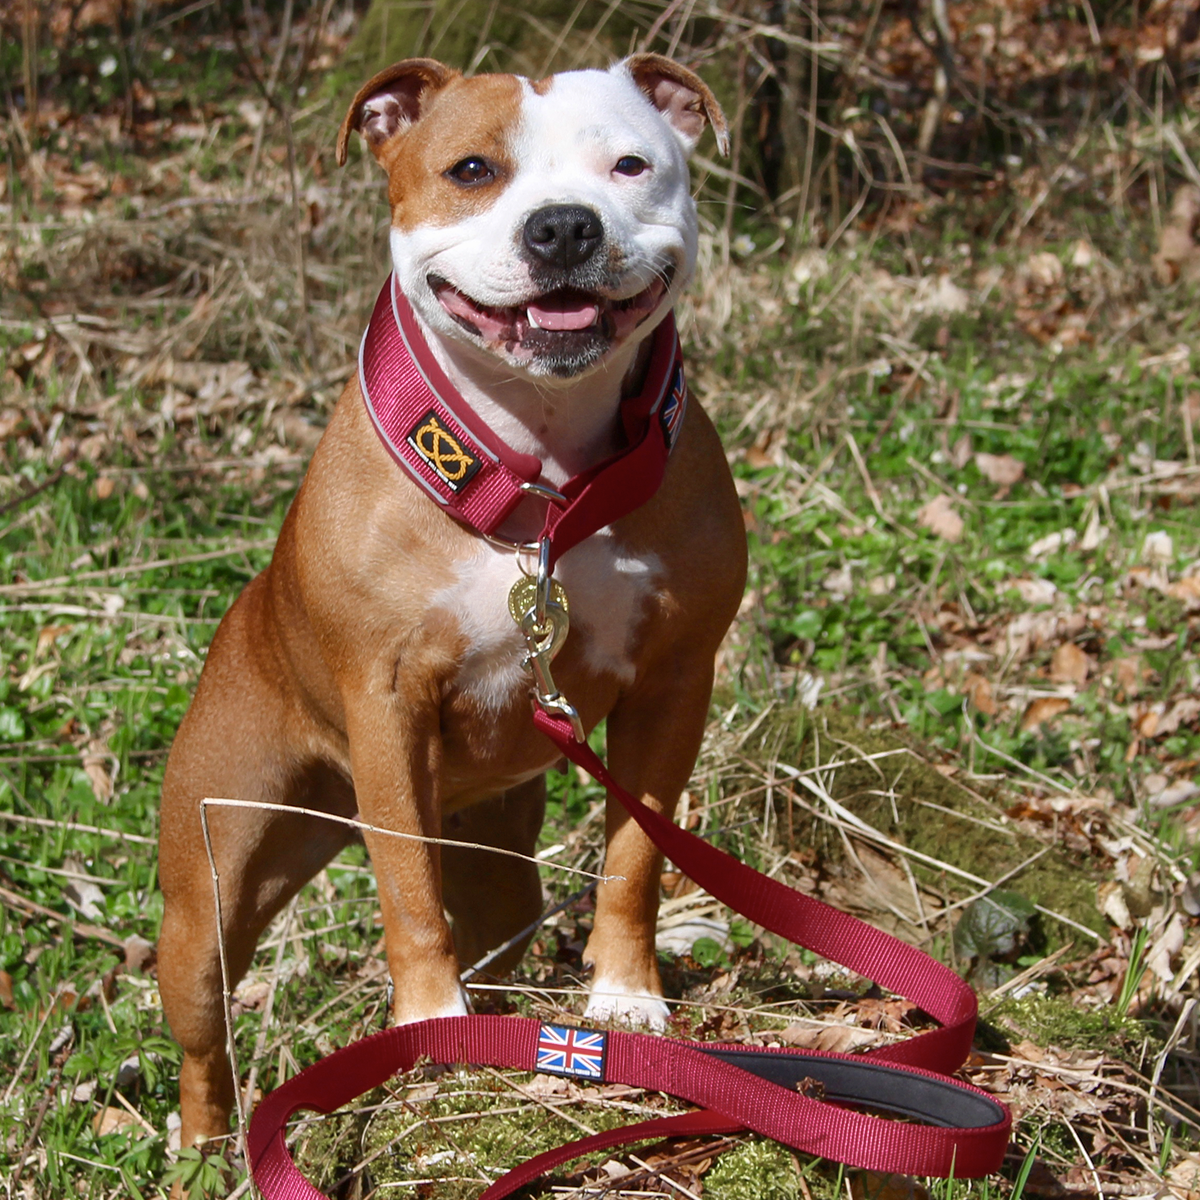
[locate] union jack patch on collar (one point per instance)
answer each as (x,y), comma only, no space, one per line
(672,409)
(562,1050)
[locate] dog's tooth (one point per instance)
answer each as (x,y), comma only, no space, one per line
(531,319)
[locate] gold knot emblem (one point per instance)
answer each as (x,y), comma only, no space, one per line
(443,451)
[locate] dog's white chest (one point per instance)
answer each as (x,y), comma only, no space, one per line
(607,590)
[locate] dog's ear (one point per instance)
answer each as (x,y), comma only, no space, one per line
(681,96)
(390,102)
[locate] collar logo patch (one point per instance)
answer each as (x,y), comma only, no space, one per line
(453,464)
(672,410)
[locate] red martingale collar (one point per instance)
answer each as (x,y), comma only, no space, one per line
(441,442)
(822,1103)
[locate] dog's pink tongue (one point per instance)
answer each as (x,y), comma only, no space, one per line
(563,312)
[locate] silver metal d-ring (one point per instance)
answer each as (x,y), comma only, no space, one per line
(545,492)
(505,544)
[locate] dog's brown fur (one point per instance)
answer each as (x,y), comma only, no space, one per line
(330,685)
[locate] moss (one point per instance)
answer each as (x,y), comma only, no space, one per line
(897,796)
(466,1134)
(755,1170)
(1053,1020)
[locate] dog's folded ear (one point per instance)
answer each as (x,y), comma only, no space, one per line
(390,102)
(681,96)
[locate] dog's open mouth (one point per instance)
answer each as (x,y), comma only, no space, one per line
(563,315)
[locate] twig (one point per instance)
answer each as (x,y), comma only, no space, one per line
(226,997)
(59,581)
(60,1061)
(46,484)
(872,834)
(33,1041)
(260,1042)
(412,837)
(65,826)
(516,938)
(79,929)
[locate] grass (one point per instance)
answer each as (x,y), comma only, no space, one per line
(851,392)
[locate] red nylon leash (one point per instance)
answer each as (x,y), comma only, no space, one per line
(819,1103)
(952,1128)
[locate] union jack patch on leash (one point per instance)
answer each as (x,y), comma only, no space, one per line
(562,1050)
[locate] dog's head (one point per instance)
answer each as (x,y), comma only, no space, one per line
(545,222)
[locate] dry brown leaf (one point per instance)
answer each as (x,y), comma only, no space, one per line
(1130,673)
(47,636)
(839,1039)
(1001,469)
(138,954)
(1186,591)
(1043,709)
(1069,664)
(939,517)
(1177,247)
(1182,712)
(6,990)
(96,760)
(113,1120)
(875,1185)
(960,452)
(979,692)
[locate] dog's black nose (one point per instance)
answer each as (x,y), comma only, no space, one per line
(564,235)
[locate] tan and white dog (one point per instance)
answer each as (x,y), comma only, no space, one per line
(541,230)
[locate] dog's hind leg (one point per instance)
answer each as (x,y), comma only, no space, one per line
(492,897)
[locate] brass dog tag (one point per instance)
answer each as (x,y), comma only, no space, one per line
(523,594)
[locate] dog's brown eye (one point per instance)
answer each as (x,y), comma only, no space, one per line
(630,164)
(471,170)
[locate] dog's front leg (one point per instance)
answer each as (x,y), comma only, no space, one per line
(395,753)
(653,739)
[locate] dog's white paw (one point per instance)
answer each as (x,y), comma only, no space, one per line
(616,1002)
(459,1006)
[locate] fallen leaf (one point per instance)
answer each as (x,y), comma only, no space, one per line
(875,1185)
(1043,709)
(1110,900)
(1042,271)
(1147,724)
(1158,549)
(1033,591)
(1029,1051)
(947,297)
(1178,792)
(1177,247)
(939,517)
(979,692)
(1166,947)
(1130,674)
(47,636)
(1001,469)
(6,990)
(138,954)
(1069,664)
(1052,543)
(960,452)
(113,1120)
(1186,591)
(839,1039)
